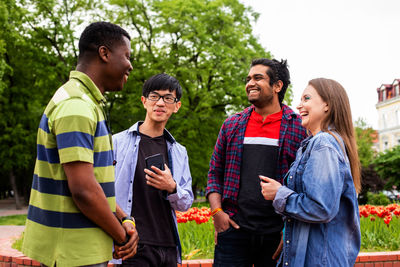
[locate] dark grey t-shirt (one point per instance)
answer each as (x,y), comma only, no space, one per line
(151,208)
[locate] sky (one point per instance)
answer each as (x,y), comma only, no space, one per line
(355,42)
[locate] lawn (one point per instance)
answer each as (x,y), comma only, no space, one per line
(13,220)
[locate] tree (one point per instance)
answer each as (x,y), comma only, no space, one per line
(37,52)
(370,180)
(387,165)
(208,47)
(364,138)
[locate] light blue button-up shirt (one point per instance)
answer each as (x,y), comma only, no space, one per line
(319,204)
(126,147)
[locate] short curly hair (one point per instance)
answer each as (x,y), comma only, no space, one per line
(277,71)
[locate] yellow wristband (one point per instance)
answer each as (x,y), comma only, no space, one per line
(127,220)
(215,211)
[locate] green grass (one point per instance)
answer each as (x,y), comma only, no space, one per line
(197,240)
(377,236)
(201,204)
(13,220)
(18,242)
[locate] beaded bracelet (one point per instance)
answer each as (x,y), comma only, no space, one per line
(215,211)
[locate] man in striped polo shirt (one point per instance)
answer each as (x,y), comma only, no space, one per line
(261,140)
(70,217)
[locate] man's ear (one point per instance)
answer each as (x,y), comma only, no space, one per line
(104,53)
(143,99)
(278,86)
(177,106)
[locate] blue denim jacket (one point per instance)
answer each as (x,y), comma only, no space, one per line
(319,205)
(126,147)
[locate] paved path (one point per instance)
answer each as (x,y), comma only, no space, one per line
(9,233)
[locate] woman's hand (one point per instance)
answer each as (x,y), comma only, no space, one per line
(269,187)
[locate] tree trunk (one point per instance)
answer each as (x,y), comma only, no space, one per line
(194,189)
(13,182)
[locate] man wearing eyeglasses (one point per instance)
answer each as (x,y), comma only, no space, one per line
(149,193)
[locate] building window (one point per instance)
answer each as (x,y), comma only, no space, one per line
(385,145)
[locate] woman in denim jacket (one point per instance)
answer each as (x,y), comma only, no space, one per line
(319,198)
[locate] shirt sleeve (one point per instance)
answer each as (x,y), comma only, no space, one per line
(217,165)
(322,182)
(73,122)
(183,198)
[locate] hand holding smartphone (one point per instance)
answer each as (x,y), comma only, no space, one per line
(156,160)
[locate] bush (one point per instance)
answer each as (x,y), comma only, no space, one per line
(377,199)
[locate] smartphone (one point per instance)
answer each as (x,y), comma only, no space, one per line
(156,160)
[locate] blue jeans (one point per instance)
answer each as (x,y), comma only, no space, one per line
(238,248)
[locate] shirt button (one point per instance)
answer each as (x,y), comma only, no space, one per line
(290,176)
(286,263)
(129,200)
(289,220)
(287,241)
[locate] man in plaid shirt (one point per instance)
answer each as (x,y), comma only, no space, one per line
(260,140)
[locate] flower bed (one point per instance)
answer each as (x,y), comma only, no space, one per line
(380,230)
(380,227)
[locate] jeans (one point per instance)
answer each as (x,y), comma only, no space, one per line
(238,248)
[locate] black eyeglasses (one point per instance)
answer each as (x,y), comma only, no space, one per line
(169,99)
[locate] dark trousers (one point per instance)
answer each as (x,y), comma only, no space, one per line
(238,248)
(152,256)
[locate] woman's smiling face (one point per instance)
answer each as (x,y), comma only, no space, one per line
(312,110)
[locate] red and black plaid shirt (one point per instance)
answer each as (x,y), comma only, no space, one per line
(224,173)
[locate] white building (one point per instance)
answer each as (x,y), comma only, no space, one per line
(388,108)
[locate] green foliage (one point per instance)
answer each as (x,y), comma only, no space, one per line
(377,236)
(18,242)
(364,138)
(206,45)
(377,199)
(387,165)
(37,51)
(13,220)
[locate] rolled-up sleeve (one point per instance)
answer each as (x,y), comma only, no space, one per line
(281,196)
(183,198)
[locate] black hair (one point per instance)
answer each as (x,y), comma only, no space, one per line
(162,82)
(98,34)
(277,71)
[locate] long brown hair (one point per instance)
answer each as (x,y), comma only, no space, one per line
(339,116)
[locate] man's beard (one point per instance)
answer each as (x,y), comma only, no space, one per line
(262,101)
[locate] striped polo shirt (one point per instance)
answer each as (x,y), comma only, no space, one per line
(72,128)
(260,157)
